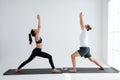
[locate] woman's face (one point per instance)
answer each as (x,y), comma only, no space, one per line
(35,30)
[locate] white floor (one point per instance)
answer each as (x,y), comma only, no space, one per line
(65,76)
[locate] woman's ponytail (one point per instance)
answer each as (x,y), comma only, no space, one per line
(30,39)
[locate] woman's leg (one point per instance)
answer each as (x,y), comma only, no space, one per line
(26,61)
(73,56)
(96,62)
(46,55)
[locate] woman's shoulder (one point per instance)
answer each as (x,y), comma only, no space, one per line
(37,36)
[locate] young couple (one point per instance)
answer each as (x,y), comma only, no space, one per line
(83,51)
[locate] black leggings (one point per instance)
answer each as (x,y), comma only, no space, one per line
(38,52)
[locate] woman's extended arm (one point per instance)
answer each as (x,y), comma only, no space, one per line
(81,21)
(38,17)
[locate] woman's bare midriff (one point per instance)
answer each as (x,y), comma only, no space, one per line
(39,45)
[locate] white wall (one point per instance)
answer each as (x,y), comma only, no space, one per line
(60,30)
(114,34)
(105,31)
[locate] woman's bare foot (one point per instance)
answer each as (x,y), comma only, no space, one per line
(55,71)
(72,70)
(17,70)
(101,68)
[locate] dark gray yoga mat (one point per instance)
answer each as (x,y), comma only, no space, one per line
(30,71)
(64,70)
(92,70)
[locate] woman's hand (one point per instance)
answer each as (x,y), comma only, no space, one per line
(81,14)
(38,17)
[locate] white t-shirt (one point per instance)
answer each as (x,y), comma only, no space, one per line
(83,38)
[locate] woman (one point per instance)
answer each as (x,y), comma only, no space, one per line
(37,51)
(84,49)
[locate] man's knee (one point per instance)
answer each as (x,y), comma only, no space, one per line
(72,56)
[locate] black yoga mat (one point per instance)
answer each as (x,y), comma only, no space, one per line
(64,70)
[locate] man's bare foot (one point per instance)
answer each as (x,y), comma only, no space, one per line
(17,70)
(55,71)
(101,68)
(72,70)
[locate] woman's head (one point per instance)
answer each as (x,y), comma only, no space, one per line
(33,33)
(87,26)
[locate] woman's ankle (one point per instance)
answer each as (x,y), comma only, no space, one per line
(17,70)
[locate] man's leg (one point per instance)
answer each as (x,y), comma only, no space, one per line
(96,62)
(73,56)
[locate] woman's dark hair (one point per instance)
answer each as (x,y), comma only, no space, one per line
(88,27)
(32,32)
(30,38)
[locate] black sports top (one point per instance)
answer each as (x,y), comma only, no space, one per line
(39,41)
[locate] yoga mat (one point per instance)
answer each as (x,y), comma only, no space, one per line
(30,71)
(92,70)
(64,70)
